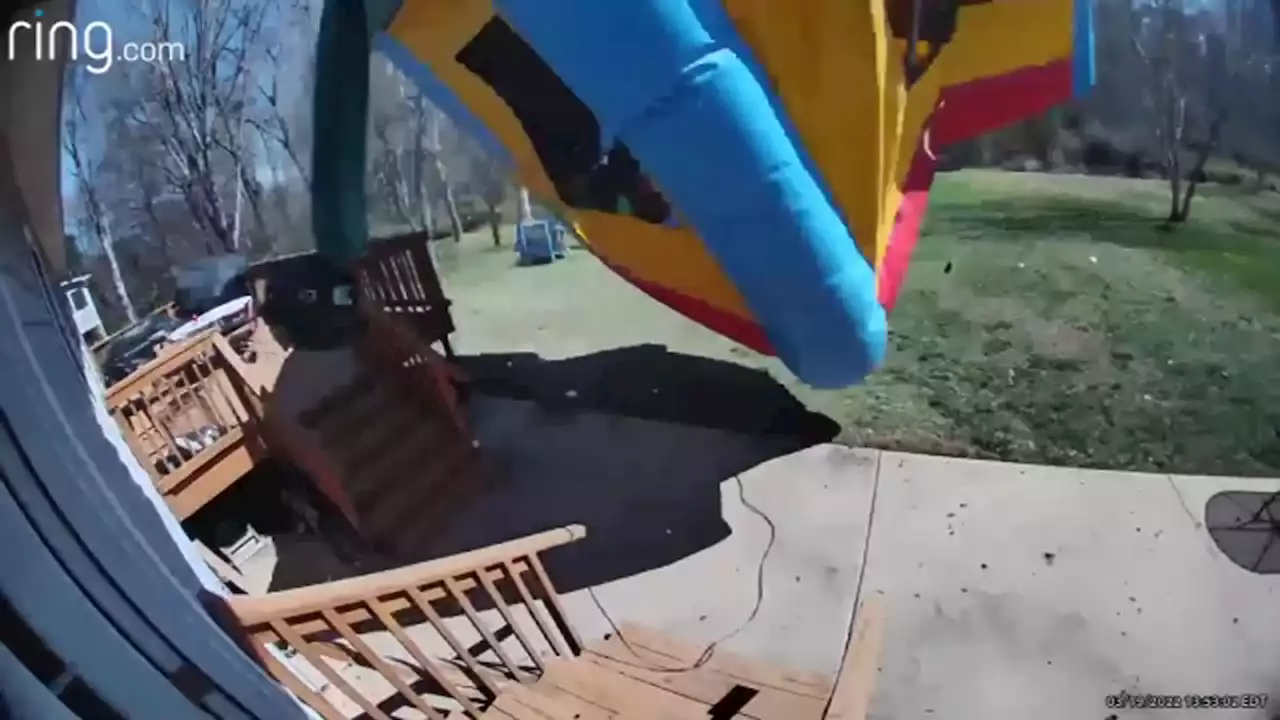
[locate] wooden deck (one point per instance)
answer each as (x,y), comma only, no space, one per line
(376,424)
(191,420)
(98,349)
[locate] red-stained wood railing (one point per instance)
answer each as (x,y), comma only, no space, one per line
(397,276)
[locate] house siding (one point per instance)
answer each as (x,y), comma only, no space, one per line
(126,576)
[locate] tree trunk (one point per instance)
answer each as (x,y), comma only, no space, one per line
(429,217)
(1184,213)
(426,199)
(1173,166)
(986,150)
(1181,210)
(525,213)
(117,278)
(434,121)
(238,213)
(1175,197)
(451,205)
(495,224)
(420,184)
(398,191)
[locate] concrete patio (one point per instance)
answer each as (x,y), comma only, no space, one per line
(1006,586)
(1018,587)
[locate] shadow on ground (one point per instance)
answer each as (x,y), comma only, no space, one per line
(1245,525)
(642,470)
(652,383)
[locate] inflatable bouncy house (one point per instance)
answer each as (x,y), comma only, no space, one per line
(761,167)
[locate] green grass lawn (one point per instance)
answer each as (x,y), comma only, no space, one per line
(1072,330)
(1045,319)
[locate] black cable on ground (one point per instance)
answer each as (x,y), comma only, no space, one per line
(705,656)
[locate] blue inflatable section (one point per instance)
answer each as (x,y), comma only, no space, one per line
(716,19)
(1083,68)
(682,97)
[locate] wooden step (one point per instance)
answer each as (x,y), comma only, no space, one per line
(338,400)
(358,410)
(542,701)
(580,690)
(400,463)
(424,497)
(402,466)
(766,692)
(622,695)
(389,428)
(464,483)
(650,676)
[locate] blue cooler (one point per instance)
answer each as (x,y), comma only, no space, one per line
(539,243)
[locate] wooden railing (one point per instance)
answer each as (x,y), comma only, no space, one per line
(391,346)
(332,622)
(191,421)
(99,348)
(397,276)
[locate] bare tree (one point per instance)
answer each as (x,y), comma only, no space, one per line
(290,53)
(276,127)
(418,157)
(170,158)
(1181,58)
(433,125)
(96,215)
(491,181)
(391,183)
(417,153)
(399,182)
(197,108)
(1251,135)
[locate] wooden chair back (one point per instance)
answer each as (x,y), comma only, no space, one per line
(397,276)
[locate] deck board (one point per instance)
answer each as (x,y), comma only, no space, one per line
(630,681)
(663,662)
(624,696)
(543,702)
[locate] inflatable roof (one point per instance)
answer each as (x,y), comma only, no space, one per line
(760,167)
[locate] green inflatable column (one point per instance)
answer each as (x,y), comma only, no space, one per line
(339,216)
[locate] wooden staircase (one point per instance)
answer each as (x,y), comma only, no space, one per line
(485,635)
(397,443)
(380,433)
